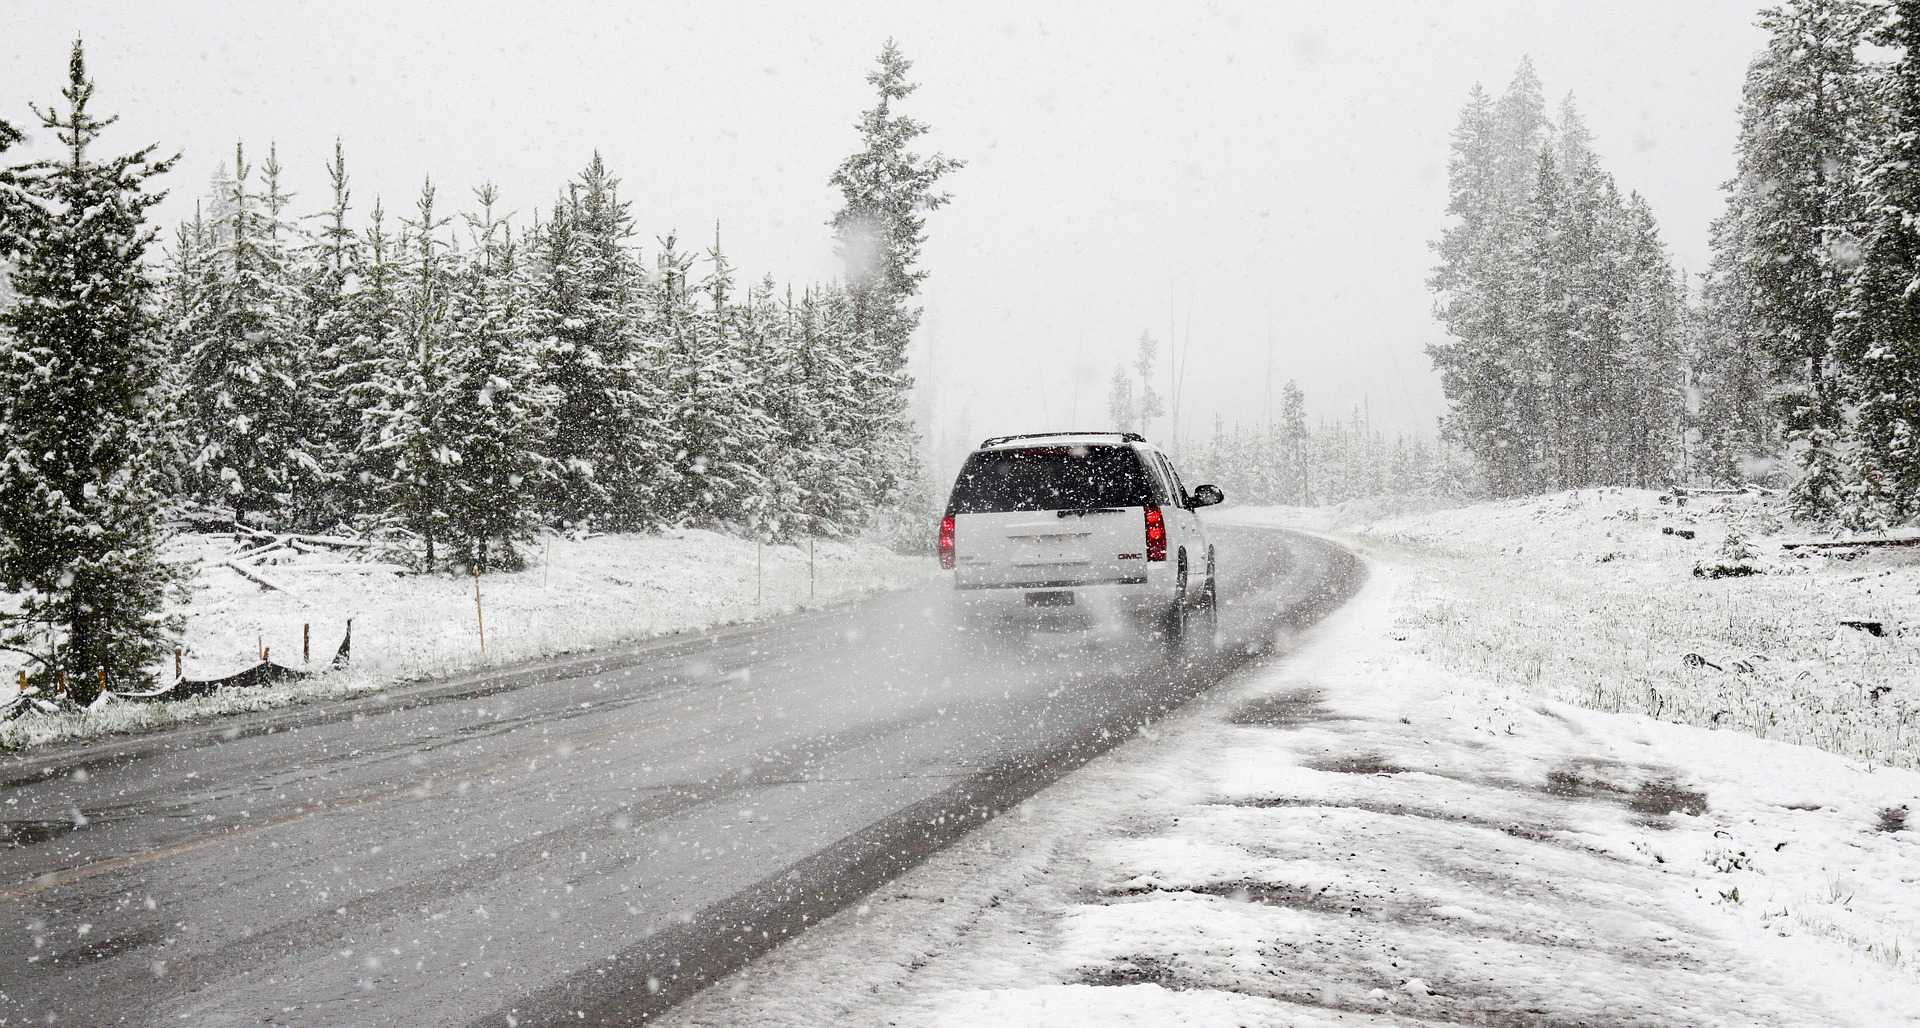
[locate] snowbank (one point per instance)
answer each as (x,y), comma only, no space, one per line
(578,595)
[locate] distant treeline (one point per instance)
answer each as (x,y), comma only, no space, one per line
(1295,461)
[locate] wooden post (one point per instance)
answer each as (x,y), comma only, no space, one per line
(479,614)
(60,684)
(266,654)
(306,643)
(177,673)
(22,684)
(103,681)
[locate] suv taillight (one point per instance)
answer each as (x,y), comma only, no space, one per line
(946,541)
(1156,534)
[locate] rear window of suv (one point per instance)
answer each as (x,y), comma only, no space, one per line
(1050,478)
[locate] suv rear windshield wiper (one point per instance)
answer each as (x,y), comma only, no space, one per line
(1083,511)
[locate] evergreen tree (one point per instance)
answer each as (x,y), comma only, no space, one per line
(1806,116)
(1122,409)
(248,358)
(586,307)
(1649,403)
(495,409)
(1729,367)
(886,190)
(1296,487)
(332,271)
(1149,405)
(1881,327)
(366,349)
(413,394)
(80,361)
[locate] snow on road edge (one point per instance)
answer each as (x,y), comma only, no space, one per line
(1352,835)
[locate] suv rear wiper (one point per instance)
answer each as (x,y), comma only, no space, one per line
(1084,511)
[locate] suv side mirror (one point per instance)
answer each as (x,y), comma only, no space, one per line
(1207,495)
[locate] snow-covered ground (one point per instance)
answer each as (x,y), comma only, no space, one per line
(577,595)
(1587,597)
(1377,829)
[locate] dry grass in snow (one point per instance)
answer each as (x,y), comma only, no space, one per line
(1583,597)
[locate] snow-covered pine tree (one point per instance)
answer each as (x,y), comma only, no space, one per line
(1880,326)
(1728,365)
(368,348)
(247,359)
(837,483)
(1648,401)
(311,460)
(721,420)
(1807,116)
(711,412)
(412,393)
(769,356)
(1544,363)
(1296,487)
(185,273)
(587,304)
(1148,406)
(1491,173)
(886,189)
(1123,410)
(80,360)
(496,409)
(1588,365)
(330,273)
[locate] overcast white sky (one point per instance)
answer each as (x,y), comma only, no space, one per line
(1239,161)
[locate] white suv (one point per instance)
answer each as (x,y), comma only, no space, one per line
(1085,523)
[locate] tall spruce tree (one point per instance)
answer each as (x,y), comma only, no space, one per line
(1807,115)
(414,392)
(886,190)
(331,270)
(586,307)
(80,371)
(1730,369)
(248,362)
(496,410)
(1880,334)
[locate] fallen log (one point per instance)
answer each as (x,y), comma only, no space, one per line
(335,541)
(352,565)
(1842,544)
(257,578)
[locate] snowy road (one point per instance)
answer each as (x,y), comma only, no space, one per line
(599,837)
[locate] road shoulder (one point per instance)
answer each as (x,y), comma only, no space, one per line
(1352,835)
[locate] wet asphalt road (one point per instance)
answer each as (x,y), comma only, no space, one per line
(586,841)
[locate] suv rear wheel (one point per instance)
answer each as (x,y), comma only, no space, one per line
(1175,622)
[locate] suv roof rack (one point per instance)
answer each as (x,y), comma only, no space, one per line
(1132,437)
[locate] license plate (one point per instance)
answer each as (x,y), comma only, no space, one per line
(1049,599)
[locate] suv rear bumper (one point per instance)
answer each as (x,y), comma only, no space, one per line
(1095,600)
